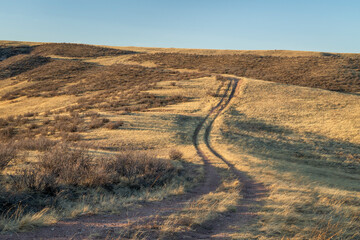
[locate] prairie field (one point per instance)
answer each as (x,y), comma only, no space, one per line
(100,142)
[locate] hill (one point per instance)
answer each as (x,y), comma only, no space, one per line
(130,142)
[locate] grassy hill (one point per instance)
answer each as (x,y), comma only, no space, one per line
(90,129)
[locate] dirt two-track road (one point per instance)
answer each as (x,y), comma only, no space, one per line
(109,226)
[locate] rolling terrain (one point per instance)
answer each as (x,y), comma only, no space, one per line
(148,143)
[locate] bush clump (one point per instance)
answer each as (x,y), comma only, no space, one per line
(62,167)
(40,144)
(175,154)
(7,153)
(114,125)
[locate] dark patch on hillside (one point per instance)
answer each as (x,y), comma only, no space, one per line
(49,78)
(16,65)
(6,52)
(331,72)
(77,50)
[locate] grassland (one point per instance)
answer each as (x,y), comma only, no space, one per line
(90,130)
(308,158)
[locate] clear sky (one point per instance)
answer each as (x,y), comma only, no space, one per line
(314,25)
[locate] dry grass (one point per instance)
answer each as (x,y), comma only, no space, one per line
(7,51)
(7,153)
(303,143)
(201,212)
(76,50)
(19,64)
(331,72)
(61,176)
(308,158)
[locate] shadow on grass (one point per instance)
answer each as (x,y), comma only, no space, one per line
(282,145)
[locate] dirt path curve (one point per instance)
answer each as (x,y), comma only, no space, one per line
(252,191)
(103,226)
(107,225)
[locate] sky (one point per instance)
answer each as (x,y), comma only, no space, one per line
(310,25)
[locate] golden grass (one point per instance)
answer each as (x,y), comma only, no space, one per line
(303,144)
(35,104)
(157,131)
(282,53)
(201,212)
(329,114)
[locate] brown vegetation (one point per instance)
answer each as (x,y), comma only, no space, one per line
(331,72)
(7,153)
(62,172)
(19,64)
(175,154)
(120,86)
(114,125)
(76,50)
(9,51)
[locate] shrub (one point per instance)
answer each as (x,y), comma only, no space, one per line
(34,180)
(77,50)
(7,133)
(175,154)
(3,122)
(98,122)
(33,126)
(7,153)
(221,78)
(114,125)
(71,137)
(62,167)
(39,144)
(141,170)
(29,114)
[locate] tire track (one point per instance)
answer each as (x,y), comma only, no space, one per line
(252,191)
(83,227)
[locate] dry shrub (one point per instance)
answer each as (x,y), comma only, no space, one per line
(331,72)
(39,144)
(33,126)
(7,153)
(19,64)
(175,154)
(64,123)
(77,50)
(69,166)
(29,114)
(221,78)
(71,137)
(34,180)
(9,51)
(114,125)
(3,122)
(7,133)
(140,169)
(46,121)
(61,167)
(98,122)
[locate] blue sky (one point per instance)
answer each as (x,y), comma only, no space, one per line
(314,25)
